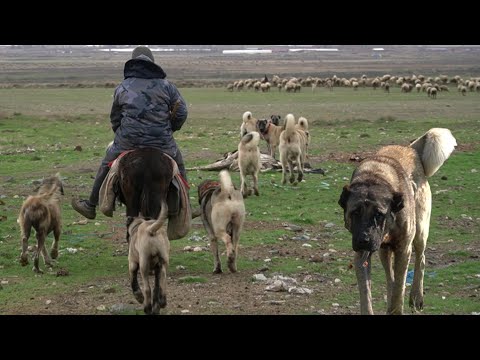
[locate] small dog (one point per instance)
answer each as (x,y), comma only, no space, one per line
(249,124)
(271,133)
(249,161)
(149,249)
(223,214)
(41,212)
(293,149)
(387,207)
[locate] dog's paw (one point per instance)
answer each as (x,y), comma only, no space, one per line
(54,253)
(147,309)
(37,270)
(256,192)
(416,303)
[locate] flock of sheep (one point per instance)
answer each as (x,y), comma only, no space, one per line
(430,85)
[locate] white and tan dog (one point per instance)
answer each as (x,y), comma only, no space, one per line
(271,133)
(42,212)
(387,207)
(149,249)
(223,214)
(249,161)
(249,124)
(293,148)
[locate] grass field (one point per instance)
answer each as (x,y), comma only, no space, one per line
(40,128)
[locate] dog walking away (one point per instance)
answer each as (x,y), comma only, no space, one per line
(42,213)
(249,161)
(293,149)
(223,214)
(387,207)
(149,249)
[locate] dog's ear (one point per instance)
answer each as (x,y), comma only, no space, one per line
(344,197)
(397,202)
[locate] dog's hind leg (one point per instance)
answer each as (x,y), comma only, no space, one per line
(217,268)
(56,234)
(300,169)
(244,186)
(40,245)
(255,184)
(385,254)
(292,174)
(160,288)
(147,290)
(232,257)
(137,292)
(26,231)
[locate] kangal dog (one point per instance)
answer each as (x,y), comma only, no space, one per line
(42,212)
(223,214)
(149,250)
(249,124)
(249,161)
(293,148)
(387,207)
(271,133)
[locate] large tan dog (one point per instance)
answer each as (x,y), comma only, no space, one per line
(249,161)
(42,212)
(249,124)
(387,207)
(223,214)
(293,149)
(149,249)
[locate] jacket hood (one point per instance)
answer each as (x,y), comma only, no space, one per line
(143,68)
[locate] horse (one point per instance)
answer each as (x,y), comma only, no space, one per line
(145,176)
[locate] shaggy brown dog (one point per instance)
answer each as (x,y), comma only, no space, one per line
(41,212)
(149,250)
(271,133)
(387,207)
(249,123)
(293,149)
(223,214)
(249,161)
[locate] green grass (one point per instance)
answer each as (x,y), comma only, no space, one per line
(54,121)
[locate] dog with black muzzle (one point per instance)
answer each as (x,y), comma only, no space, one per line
(223,214)
(387,207)
(149,249)
(270,133)
(42,212)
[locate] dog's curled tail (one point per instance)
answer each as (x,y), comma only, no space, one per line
(247,115)
(226,184)
(434,148)
(251,139)
(162,217)
(303,123)
(289,126)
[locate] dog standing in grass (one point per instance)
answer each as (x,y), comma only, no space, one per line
(149,249)
(249,161)
(387,207)
(223,214)
(42,213)
(293,149)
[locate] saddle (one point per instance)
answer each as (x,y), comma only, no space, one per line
(179,210)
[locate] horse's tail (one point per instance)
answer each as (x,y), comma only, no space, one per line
(146,201)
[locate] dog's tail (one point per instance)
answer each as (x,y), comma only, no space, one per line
(226,184)
(251,139)
(152,229)
(289,126)
(303,123)
(247,115)
(434,147)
